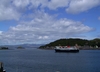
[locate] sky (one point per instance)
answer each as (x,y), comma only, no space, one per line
(44,21)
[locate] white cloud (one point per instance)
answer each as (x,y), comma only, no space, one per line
(21,3)
(54,4)
(36,3)
(7,11)
(29,4)
(15,9)
(77,6)
(43,28)
(1,32)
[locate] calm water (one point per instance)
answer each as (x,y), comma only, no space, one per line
(35,60)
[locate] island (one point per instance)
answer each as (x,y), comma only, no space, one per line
(20,47)
(83,44)
(4,48)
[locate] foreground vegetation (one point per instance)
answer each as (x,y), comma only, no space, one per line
(83,43)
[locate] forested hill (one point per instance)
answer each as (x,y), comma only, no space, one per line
(72,42)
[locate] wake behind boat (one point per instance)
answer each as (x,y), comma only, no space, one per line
(66,49)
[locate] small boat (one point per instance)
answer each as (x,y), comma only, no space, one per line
(66,49)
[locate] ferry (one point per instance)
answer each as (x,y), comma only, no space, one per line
(66,49)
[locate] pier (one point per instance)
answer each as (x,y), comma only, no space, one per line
(1,67)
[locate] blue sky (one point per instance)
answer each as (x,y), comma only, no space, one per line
(44,21)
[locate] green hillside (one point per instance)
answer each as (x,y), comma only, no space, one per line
(72,42)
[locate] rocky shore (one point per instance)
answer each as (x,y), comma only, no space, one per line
(80,48)
(89,48)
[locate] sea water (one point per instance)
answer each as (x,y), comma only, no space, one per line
(37,60)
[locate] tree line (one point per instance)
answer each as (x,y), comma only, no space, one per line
(72,42)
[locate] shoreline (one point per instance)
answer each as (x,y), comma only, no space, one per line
(80,48)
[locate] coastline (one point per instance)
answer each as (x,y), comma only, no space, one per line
(80,48)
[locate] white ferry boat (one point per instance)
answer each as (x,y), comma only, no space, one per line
(66,49)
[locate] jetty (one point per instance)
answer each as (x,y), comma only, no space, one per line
(1,67)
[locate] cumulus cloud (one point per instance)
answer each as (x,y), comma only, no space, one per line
(7,11)
(43,28)
(73,6)
(1,32)
(77,6)
(20,3)
(15,9)
(54,4)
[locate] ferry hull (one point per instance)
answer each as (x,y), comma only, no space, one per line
(58,50)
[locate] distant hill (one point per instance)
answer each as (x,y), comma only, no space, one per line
(22,45)
(30,45)
(72,42)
